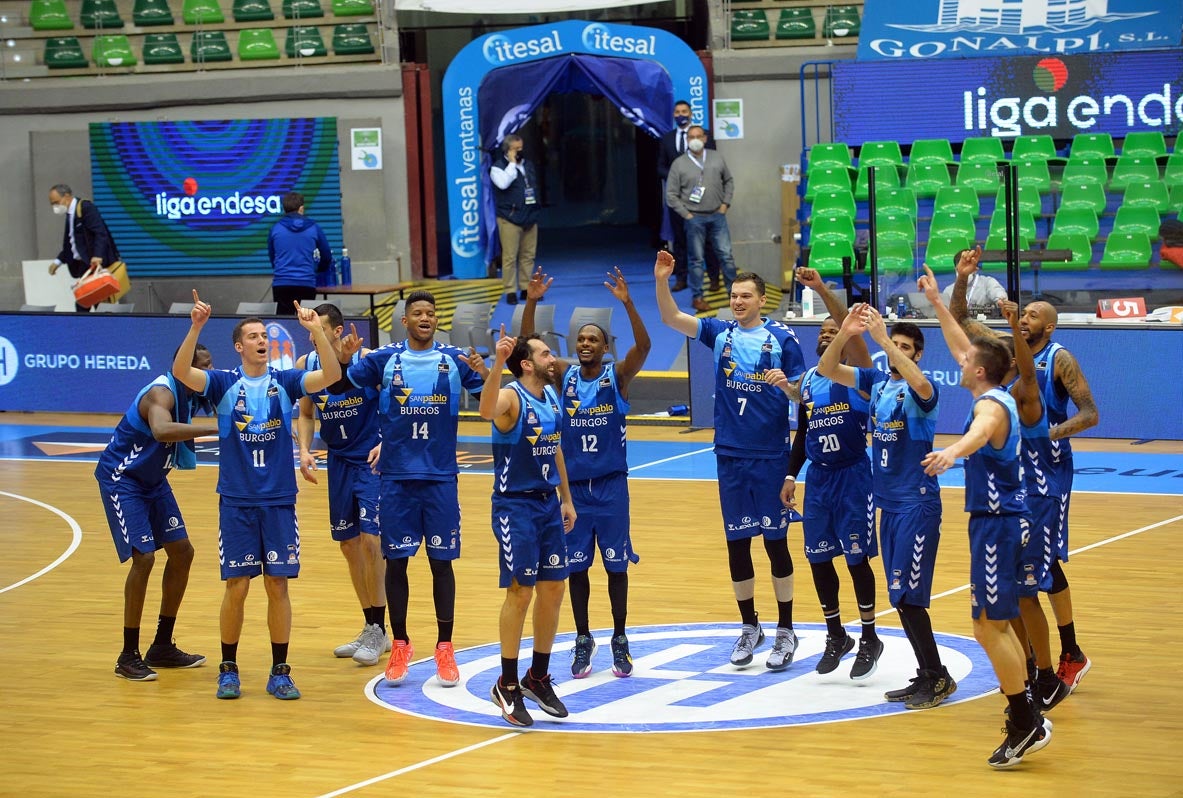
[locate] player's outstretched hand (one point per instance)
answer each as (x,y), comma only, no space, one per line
(351,343)
(810,278)
(1010,312)
(306,316)
(539,282)
(201,311)
(663,267)
(855,322)
(967,264)
(928,284)
(617,285)
(475,361)
(873,321)
(937,462)
(505,345)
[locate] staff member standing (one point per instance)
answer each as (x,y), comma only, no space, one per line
(515,196)
(672,145)
(298,250)
(86,241)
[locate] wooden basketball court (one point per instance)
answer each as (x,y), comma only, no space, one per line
(70,727)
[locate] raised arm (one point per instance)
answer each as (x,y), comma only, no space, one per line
(535,291)
(989,419)
(956,337)
(634,358)
(1068,373)
(190,376)
(908,368)
(671,317)
(831,365)
(857,354)
(330,369)
(499,405)
(1026,388)
(156,407)
(967,264)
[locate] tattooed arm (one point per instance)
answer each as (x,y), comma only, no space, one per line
(1069,375)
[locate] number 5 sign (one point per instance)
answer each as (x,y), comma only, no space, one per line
(1128,308)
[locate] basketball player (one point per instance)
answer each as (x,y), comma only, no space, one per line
(529,520)
(751,442)
(421,383)
(594,397)
(257,530)
(153,437)
(349,428)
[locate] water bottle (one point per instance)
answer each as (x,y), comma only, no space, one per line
(346,267)
(807,297)
(899,306)
(679,410)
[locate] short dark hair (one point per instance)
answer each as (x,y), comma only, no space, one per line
(197,348)
(682,102)
(752,277)
(521,351)
(333,312)
(909,330)
(419,295)
(602,331)
(236,336)
(292,201)
(993,356)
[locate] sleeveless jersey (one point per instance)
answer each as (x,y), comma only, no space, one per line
(751,416)
(348,421)
(1039,477)
(593,424)
(524,457)
(1055,403)
(837,432)
(255,434)
(132,451)
(418,406)
(902,430)
(994,477)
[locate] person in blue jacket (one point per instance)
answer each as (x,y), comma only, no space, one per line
(298,250)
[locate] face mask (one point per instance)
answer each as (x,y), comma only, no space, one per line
(696,145)
(682,121)
(58,210)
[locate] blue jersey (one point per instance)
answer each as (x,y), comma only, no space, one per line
(1055,399)
(837,432)
(593,424)
(524,457)
(133,453)
(348,421)
(1039,456)
(418,407)
(902,430)
(255,434)
(994,477)
(751,416)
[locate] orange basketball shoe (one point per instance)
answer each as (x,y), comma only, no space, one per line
(401,654)
(445,665)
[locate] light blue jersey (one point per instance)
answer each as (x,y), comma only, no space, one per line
(593,424)
(994,477)
(134,454)
(902,430)
(524,458)
(837,431)
(348,421)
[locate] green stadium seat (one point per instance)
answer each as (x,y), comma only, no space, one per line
(895,227)
(304,42)
(112,50)
(982,150)
(1154,195)
(796,23)
(1079,221)
(49,15)
(1034,174)
(957,198)
(834,203)
(1086,170)
(896,256)
(1133,169)
(1137,219)
(831,228)
(1026,223)
(940,250)
(100,14)
(1175,199)
(257,44)
(925,178)
(146,13)
(1091,145)
(749,26)
(1146,143)
(827,257)
(936,151)
(841,22)
(65,52)
(252,11)
(886,176)
(997,241)
(202,12)
(1029,200)
(880,153)
(1078,243)
(1083,195)
(1034,148)
(952,223)
(1173,173)
(353,8)
(897,200)
(981,176)
(828,155)
(827,180)
(209,46)
(302,9)
(163,48)
(352,38)
(1126,251)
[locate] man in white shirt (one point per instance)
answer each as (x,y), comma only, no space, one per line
(515,197)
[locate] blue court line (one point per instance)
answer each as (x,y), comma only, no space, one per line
(1130,472)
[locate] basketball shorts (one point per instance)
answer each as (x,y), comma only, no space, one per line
(749,496)
(840,514)
(258,539)
(418,510)
(141,519)
(1039,544)
(602,519)
(530,541)
(353,499)
(995,543)
(909,540)
(1064,472)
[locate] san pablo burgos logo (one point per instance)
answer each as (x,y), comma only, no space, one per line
(682,681)
(1006,27)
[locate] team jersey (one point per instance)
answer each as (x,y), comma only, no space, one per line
(994,477)
(524,457)
(255,434)
(902,430)
(1055,403)
(1039,456)
(418,406)
(593,424)
(132,451)
(837,431)
(751,416)
(348,421)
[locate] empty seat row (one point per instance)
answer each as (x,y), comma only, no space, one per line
(103,14)
(256,44)
(841,21)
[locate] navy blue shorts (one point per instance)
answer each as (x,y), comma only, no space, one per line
(140,519)
(254,540)
(602,520)
(353,499)
(530,541)
(418,510)
(840,514)
(995,543)
(909,540)
(749,497)
(1039,545)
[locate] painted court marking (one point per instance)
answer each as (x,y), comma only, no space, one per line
(75,542)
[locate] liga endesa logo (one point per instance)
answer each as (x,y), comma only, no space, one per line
(188,204)
(1014,116)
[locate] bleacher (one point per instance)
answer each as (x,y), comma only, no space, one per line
(58,38)
(788,23)
(1101,199)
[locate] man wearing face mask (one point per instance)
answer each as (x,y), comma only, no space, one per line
(86,241)
(673,144)
(515,196)
(699,190)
